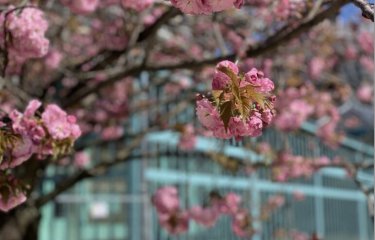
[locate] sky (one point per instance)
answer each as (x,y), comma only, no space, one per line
(350,13)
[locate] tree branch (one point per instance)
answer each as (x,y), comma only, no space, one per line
(280,37)
(366,7)
(100,168)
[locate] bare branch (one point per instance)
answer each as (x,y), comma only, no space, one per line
(99,169)
(280,37)
(366,7)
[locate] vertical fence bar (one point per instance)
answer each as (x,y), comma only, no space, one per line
(319,206)
(362,220)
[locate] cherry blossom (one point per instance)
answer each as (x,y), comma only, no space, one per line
(11,193)
(81,159)
(27,28)
(12,202)
(82,6)
(206,7)
(187,139)
(29,134)
(237,111)
(166,200)
(137,5)
(204,216)
(298,195)
(59,124)
(365,93)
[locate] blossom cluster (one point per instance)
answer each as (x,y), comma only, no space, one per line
(137,5)
(206,7)
(22,34)
(50,132)
(273,203)
(286,9)
(12,193)
(188,137)
(288,166)
(105,116)
(176,220)
(365,93)
(293,109)
(242,106)
(81,6)
(85,7)
(296,105)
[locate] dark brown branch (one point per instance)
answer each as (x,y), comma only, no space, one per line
(110,56)
(101,168)
(280,37)
(366,7)
(150,31)
(98,169)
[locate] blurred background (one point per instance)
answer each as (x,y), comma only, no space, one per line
(117,205)
(329,205)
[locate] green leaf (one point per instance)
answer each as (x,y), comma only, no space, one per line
(217,95)
(244,106)
(255,96)
(226,113)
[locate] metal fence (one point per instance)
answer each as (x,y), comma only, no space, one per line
(117,206)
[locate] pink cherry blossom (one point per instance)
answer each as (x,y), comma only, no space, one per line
(298,196)
(112,132)
(366,41)
(31,108)
(276,201)
(241,223)
(166,200)
(26,124)
(293,115)
(227,205)
(81,159)
(11,193)
(222,84)
(367,63)
(365,93)
(264,147)
(138,5)
(13,201)
(53,59)
(204,216)
(22,152)
(252,77)
(27,29)
(81,6)
(327,132)
(187,139)
(220,79)
(205,6)
(208,115)
(256,78)
(59,124)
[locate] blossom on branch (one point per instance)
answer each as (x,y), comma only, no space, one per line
(242,103)
(22,33)
(206,7)
(12,193)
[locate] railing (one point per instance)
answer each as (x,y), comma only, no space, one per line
(334,207)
